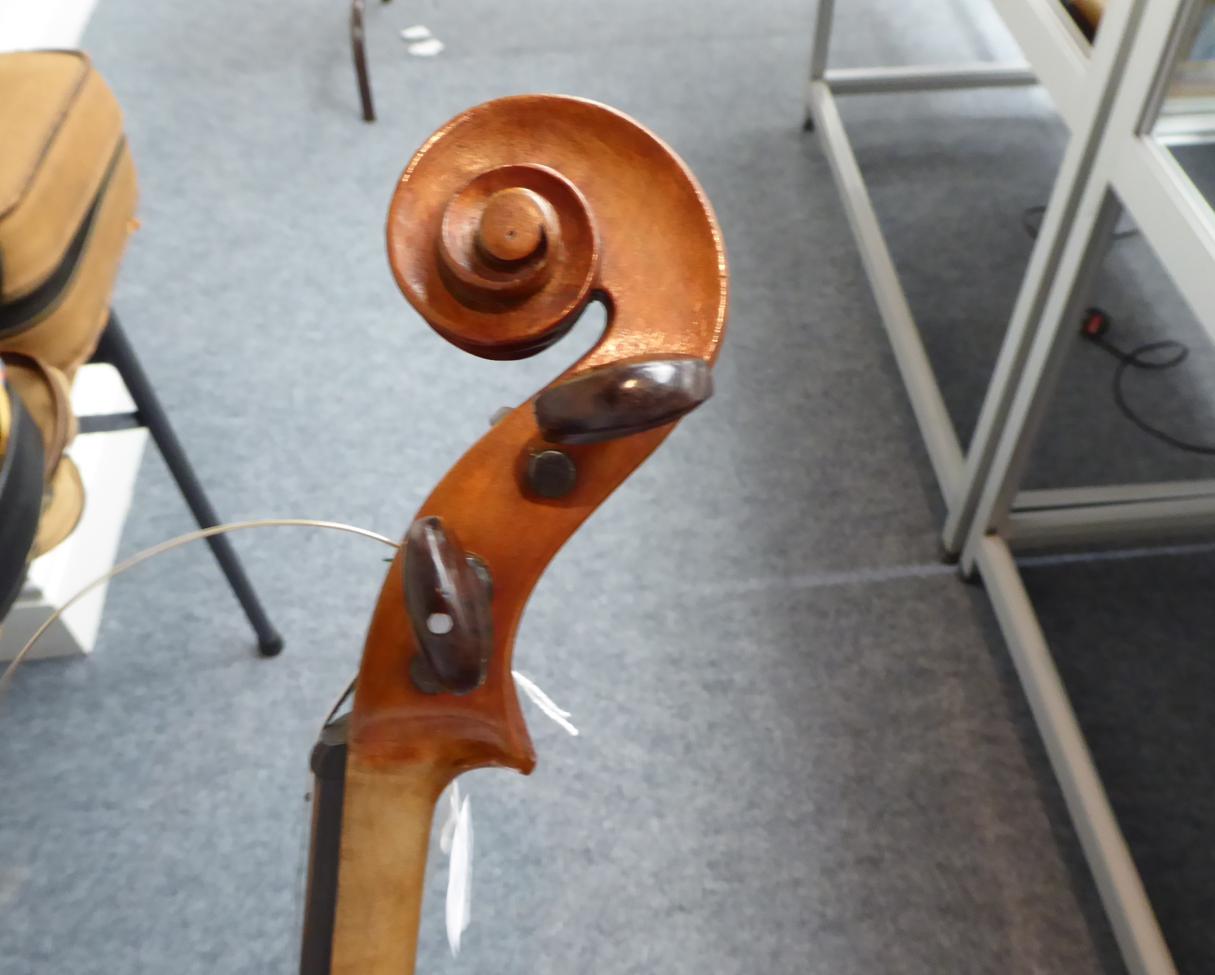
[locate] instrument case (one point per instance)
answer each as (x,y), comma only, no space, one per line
(67,206)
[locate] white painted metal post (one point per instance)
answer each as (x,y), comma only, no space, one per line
(1126,902)
(935,77)
(1109,57)
(820,48)
(1083,249)
(936,427)
(824,20)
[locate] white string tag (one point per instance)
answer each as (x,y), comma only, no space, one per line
(449,822)
(456,834)
(544,702)
(456,839)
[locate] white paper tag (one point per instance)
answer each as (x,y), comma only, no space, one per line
(425,49)
(544,702)
(449,821)
(459,872)
(456,834)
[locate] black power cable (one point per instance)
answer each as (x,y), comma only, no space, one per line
(1096,323)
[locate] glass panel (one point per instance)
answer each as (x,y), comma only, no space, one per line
(1186,122)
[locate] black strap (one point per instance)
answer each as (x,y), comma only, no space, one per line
(20,500)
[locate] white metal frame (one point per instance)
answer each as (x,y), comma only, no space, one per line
(1131,170)
(1110,99)
(1083,83)
(823,86)
(1126,902)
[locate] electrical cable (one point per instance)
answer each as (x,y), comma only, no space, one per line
(6,678)
(1135,359)
(1094,326)
(337,705)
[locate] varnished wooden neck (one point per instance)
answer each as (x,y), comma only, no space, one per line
(386,824)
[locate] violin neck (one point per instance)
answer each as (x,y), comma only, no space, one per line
(367,864)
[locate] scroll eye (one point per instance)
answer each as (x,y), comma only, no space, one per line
(512,264)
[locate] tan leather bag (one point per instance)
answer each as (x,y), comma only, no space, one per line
(67,204)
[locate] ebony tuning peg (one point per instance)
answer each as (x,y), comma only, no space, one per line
(623,398)
(448,593)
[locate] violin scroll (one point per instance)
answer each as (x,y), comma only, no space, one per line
(503,227)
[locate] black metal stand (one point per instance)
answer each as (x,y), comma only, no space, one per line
(358,45)
(115,349)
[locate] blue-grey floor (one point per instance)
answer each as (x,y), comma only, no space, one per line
(803,749)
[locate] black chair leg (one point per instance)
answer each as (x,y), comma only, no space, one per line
(358,47)
(115,349)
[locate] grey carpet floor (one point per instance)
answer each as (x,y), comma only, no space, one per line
(803,748)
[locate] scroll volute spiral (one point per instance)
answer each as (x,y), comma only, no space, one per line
(506,223)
